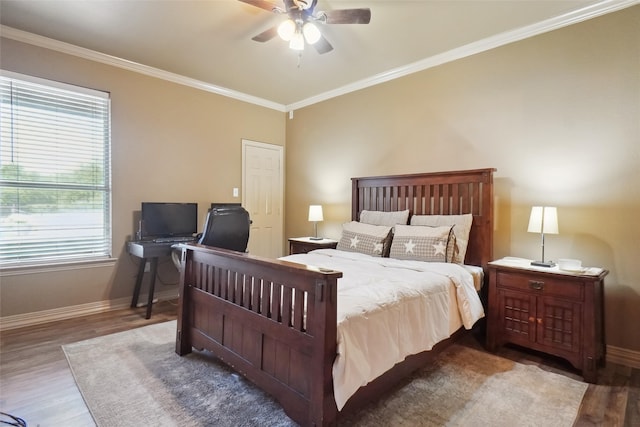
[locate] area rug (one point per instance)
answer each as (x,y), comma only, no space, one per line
(135,378)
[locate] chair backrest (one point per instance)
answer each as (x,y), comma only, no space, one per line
(227,227)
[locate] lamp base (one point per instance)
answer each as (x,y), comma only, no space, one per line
(543,263)
(316,238)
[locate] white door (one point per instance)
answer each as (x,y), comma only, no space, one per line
(262,196)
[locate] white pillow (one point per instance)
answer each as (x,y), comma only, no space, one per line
(384,218)
(364,238)
(421,243)
(461,229)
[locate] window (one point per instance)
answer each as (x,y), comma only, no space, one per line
(55,177)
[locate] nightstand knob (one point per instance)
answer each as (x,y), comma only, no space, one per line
(532,319)
(536,285)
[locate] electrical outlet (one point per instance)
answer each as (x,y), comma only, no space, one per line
(235,192)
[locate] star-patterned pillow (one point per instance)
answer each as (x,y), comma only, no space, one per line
(461,230)
(422,243)
(364,238)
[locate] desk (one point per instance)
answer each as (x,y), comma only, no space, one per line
(148,251)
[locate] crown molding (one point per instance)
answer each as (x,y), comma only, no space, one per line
(58,46)
(586,13)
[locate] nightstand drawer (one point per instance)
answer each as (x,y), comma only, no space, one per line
(302,245)
(301,248)
(541,284)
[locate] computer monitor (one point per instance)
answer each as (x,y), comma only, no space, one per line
(162,220)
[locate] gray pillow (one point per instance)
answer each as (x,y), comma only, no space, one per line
(364,238)
(384,218)
(422,243)
(461,229)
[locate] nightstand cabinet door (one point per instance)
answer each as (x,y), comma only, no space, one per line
(558,326)
(517,314)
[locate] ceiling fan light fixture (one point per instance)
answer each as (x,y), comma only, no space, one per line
(297,41)
(311,33)
(287,29)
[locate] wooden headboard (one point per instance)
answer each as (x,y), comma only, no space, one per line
(436,193)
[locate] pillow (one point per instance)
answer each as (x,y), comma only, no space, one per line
(421,243)
(461,229)
(384,218)
(364,238)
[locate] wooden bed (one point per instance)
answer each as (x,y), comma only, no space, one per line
(249,312)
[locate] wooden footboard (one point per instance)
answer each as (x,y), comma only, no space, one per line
(272,321)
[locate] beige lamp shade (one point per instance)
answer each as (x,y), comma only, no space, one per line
(315,213)
(543,219)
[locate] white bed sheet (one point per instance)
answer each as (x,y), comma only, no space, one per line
(389,309)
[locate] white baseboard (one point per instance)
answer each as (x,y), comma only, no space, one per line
(45,316)
(623,356)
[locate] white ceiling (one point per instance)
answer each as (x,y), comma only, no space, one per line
(207,43)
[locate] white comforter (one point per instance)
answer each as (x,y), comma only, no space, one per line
(389,309)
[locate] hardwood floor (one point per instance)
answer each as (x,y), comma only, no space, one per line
(613,402)
(37,385)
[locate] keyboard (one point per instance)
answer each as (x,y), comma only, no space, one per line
(173,239)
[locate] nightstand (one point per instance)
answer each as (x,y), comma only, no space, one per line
(302,245)
(549,310)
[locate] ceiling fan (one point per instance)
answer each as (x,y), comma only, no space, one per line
(300,25)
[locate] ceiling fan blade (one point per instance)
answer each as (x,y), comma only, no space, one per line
(266,35)
(264,4)
(347,16)
(323,45)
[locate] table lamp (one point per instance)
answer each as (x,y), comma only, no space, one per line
(315,215)
(543,219)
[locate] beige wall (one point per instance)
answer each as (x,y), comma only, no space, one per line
(558,115)
(169,143)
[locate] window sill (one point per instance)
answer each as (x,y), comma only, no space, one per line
(47,267)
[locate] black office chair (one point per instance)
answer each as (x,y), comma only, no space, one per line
(227,227)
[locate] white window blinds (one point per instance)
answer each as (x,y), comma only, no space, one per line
(55,184)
